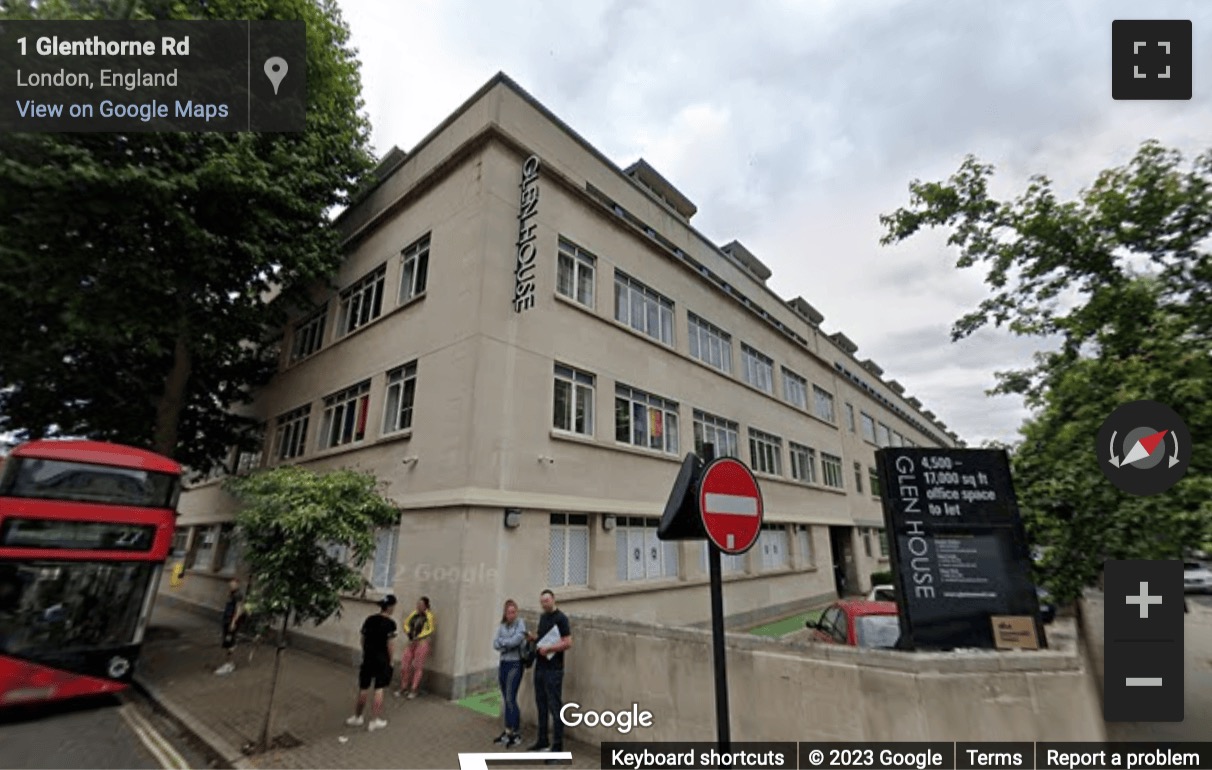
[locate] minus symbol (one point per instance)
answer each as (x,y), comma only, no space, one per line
(1143,681)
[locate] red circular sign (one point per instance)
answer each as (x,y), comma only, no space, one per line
(731,505)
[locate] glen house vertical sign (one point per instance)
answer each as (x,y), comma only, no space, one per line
(523,274)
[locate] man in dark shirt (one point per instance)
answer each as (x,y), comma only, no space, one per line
(232,612)
(549,672)
(377,633)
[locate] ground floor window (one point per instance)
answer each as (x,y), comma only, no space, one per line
(773,546)
(639,554)
(803,537)
(383,566)
(568,552)
(729,563)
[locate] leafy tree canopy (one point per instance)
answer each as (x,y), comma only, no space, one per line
(1121,277)
(136,268)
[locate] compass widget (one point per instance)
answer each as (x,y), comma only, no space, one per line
(1143,448)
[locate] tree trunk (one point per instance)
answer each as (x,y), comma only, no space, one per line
(273,684)
(172,401)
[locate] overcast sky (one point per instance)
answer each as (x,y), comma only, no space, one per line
(794,125)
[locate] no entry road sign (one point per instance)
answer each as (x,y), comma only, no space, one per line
(731,505)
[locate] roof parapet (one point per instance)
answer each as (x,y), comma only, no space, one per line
(647,177)
(844,342)
(806,311)
(896,386)
(872,367)
(745,258)
(914,402)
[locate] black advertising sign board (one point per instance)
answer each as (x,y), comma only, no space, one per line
(958,548)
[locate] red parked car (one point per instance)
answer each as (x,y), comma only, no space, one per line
(858,623)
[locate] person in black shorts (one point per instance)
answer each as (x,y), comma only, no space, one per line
(233,611)
(377,633)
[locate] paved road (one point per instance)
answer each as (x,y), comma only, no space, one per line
(106,733)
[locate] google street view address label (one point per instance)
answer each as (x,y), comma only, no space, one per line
(152,76)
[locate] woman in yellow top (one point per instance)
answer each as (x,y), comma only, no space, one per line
(419,626)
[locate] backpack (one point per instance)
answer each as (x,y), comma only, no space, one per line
(528,651)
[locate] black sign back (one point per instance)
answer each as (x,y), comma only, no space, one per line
(958,548)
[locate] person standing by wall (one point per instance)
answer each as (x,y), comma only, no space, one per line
(377,633)
(509,639)
(554,637)
(419,625)
(233,611)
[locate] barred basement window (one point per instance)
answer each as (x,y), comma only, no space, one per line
(290,438)
(414,270)
(803,463)
(710,344)
(308,336)
(362,302)
(766,452)
(831,469)
(344,419)
(568,551)
(575,273)
(722,433)
(644,420)
(401,392)
(573,403)
(639,554)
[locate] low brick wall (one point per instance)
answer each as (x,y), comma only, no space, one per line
(787,691)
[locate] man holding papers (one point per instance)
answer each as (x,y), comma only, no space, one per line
(553,637)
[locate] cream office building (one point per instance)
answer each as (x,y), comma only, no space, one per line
(526,342)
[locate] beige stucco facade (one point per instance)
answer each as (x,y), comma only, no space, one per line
(491,430)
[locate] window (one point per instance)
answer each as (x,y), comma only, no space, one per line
(873,477)
(204,555)
(867,543)
(721,433)
(757,369)
(290,437)
(645,420)
(729,563)
(883,435)
(803,463)
(709,344)
(823,403)
(574,273)
(568,555)
(897,439)
(308,335)
(573,401)
(795,389)
(766,452)
(247,462)
(401,391)
(883,542)
(831,469)
(850,417)
(858,477)
(868,427)
(337,552)
(642,309)
(414,270)
(772,541)
(362,302)
(803,537)
(639,554)
(383,567)
(180,540)
(344,419)
(227,550)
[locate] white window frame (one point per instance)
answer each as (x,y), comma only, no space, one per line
(795,389)
(831,471)
(654,316)
(775,547)
(398,405)
(868,423)
(208,544)
(336,426)
(730,564)
(362,302)
(709,343)
(290,434)
(897,439)
(710,428)
(757,368)
(228,545)
(765,452)
(383,563)
(655,410)
(576,273)
(823,405)
(562,528)
(803,462)
(414,269)
(803,534)
(308,336)
(850,417)
(580,389)
(883,435)
(657,559)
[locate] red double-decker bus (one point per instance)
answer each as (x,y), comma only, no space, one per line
(85,528)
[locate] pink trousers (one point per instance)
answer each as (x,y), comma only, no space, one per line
(412,665)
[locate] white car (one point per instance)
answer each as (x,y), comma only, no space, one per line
(1196,578)
(882,593)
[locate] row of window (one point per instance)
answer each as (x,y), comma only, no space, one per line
(362,302)
(652,422)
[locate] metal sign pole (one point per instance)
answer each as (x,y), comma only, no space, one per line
(717,633)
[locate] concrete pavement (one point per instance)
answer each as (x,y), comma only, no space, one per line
(315,695)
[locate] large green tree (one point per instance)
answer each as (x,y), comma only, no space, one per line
(135,269)
(290,522)
(1120,279)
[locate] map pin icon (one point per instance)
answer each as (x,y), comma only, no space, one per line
(275,70)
